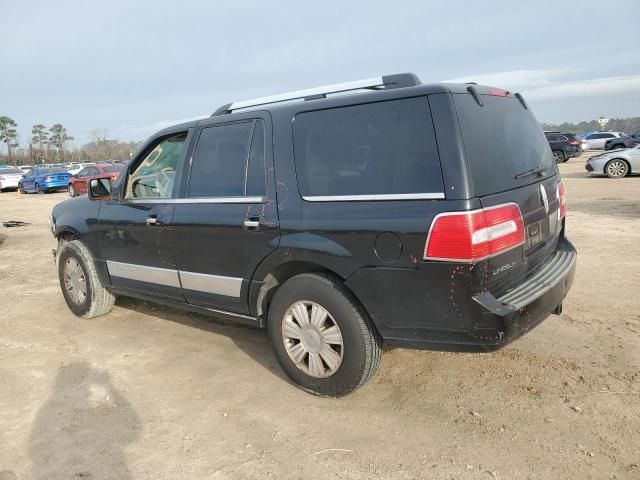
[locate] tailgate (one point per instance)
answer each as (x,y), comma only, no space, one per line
(539,205)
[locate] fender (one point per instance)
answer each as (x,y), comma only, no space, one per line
(79,216)
(298,252)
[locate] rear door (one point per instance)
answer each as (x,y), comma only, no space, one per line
(510,162)
(227,221)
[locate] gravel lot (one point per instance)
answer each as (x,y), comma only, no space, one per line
(154,393)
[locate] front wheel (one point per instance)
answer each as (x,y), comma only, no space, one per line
(81,287)
(616,168)
(72,191)
(322,337)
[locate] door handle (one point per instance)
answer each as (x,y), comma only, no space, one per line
(252,223)
(152,220)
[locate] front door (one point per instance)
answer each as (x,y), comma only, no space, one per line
(135,224)
(227,222)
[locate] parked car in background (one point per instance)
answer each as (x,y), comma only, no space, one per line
(596,141)
(627,141)
(563,145)
(78,182)
(25,168)
(74,168)
(337,222)
(615,163)
(44,180)
(9,178)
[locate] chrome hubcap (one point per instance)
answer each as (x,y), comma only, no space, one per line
(557,156)
(312,339)
(74,281)
(616,169)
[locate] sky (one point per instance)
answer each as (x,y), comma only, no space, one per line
(131,68)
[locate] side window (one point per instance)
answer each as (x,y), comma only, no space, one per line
(562,138)
(221,161)
(385,148)
(607,135)
(155,175)
(593,136)
(93,171)
(256,173)
(637,135)
(82,173)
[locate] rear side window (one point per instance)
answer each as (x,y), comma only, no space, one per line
(381,148)
(222,164)
(502,140)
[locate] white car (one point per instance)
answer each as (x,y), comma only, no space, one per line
(9,178)
(596,141)
(76,167)
(25,168)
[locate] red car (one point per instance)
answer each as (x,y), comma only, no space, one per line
(78,182)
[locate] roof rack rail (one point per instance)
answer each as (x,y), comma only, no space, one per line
(375,83)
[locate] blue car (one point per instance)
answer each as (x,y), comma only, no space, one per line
(44,180)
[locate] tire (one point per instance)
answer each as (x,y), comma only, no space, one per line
(616,168)
(37,189)
(559,156)
(75,258)
(355,356)
(72,191)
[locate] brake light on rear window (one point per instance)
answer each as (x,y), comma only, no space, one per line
(562,210)
(47,178)
(496,92)
(475,235)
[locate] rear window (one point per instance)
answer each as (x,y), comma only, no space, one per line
(502,139)
(9,171)
(113,169)
(383,148)
(53,170)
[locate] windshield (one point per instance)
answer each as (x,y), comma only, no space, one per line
(9,171)
(502,141)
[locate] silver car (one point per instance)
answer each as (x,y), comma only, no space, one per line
(596,141)
(615,163)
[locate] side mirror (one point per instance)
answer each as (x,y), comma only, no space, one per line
(99,189)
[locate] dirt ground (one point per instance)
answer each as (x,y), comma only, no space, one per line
(148,392)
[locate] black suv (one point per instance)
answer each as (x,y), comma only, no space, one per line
(563,145)
(421,216)
(628,141)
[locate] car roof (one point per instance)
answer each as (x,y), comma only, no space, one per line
(336,100)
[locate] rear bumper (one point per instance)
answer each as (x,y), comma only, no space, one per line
(62,185)
(455,320)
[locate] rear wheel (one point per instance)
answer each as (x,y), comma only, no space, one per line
(37,189)
(559,157)
(321,336)
(616,168)
(72,191)
(81,287)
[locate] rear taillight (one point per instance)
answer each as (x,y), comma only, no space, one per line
(574,142)
(47,178)
(562,210)
(473,236)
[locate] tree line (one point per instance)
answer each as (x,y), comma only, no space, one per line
(50,145)
(626,125)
